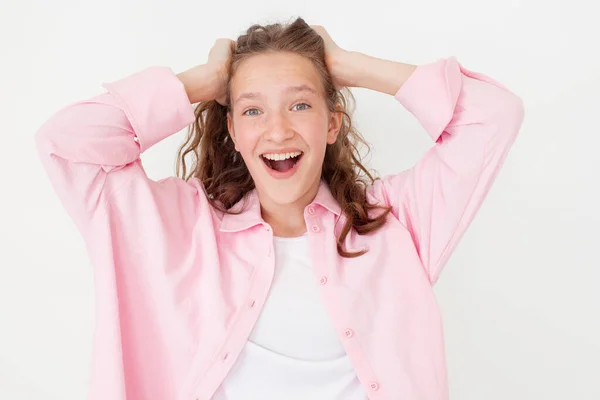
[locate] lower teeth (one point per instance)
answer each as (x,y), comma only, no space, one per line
(270,163)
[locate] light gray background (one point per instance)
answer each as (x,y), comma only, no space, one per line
(520,296)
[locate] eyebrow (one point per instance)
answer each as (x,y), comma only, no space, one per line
(289,89)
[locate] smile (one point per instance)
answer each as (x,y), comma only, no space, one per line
(282,165)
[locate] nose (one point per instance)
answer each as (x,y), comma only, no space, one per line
(278,128)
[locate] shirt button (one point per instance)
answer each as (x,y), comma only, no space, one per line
(316,229)
(311,210)
(252,303)
(225,356)
(348,333)
(374,386)
(323,280)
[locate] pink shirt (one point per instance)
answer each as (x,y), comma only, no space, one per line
(179,285)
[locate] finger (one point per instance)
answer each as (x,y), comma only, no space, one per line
(324,35)
(320,30)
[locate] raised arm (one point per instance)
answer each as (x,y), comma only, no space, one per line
(473,121)
(91,149)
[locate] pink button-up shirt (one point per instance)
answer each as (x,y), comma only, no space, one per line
(179,285)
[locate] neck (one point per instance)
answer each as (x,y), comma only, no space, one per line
(287,220)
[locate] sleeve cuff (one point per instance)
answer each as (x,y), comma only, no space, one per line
(431,94)
(155,103)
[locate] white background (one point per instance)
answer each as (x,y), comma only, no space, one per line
(520,297)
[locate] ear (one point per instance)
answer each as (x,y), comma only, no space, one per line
(335,123)
(231,131)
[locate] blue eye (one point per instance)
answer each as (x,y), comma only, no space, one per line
(305,107)
(252,112)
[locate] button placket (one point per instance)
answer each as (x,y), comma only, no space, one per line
(314,225)
(270,251)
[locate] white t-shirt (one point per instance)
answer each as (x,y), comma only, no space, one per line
(294,351)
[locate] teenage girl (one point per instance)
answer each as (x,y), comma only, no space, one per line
(276,267)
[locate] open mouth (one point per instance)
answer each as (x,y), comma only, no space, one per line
(281,162)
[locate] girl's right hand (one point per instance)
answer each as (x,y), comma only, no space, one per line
(208,81)
(219,59)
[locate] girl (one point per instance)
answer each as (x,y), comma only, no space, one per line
(277,268)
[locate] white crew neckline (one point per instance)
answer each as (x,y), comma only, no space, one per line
(284,239)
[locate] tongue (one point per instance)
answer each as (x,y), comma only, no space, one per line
(282,165)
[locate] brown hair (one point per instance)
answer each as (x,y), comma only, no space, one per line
(222,170)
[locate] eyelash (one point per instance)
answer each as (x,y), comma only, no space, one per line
(297,104)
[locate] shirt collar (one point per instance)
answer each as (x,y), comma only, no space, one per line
(251,215)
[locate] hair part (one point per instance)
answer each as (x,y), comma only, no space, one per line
(222,170)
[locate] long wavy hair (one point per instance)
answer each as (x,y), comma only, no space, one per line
(222,170)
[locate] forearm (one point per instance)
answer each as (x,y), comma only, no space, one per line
(199,83)
(374,73)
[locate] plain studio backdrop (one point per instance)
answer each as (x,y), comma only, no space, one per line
(520,297)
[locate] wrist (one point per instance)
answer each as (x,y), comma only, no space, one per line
(346,67)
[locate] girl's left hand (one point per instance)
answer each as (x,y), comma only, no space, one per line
(337,60)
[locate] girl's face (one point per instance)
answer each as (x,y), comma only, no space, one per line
(281,125)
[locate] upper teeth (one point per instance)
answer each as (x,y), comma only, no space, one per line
(281,156)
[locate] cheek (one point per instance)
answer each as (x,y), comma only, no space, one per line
(246,138)
(314,132)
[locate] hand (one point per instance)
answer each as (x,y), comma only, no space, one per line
(218,62)
(337,60)
(355,69)
(208,81)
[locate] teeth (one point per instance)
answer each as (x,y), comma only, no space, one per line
(281,156)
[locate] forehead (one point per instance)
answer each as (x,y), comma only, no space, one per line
(274,72)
